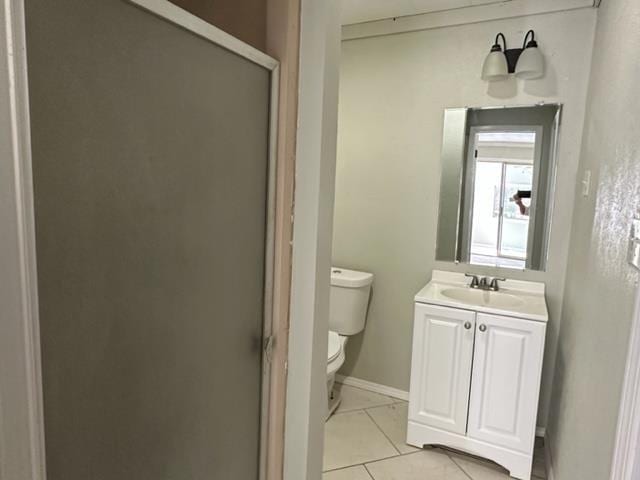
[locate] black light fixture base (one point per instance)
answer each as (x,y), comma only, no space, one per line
(513,54)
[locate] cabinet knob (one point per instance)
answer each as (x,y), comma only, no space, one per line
(483,328)
(467,325)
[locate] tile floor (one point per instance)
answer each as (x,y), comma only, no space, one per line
(365,440)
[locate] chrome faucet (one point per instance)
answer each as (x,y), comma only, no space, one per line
(493,286)
(475,281)
(484,283)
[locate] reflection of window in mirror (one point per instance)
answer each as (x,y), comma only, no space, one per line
(497,185)
(500,178)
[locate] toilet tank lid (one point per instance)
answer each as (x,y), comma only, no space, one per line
(341,277)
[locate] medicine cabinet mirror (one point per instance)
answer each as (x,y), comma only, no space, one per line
(497,185)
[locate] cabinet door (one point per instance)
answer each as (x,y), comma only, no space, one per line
(506,381)
(441,367)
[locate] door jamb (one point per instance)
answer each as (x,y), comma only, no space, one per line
(283,42)
(626,454)
(318,86)
(21,420)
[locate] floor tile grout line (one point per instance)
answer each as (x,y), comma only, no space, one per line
(393,399)
(383,406)
(383,432)
(458,465)
(364,411)
(362,464)
(339,469)
(366,464)
(342,412)
(389,458)
(480,459)
(396,401)
(369,462)
(369,391)
(415,449)
(357,409)
(368,472)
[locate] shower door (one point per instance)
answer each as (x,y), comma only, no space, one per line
(151,176)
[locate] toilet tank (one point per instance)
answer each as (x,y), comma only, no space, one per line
(349,300)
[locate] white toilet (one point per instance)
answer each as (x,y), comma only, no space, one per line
(349,300)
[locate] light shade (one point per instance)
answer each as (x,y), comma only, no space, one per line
(495,66)
(530,64)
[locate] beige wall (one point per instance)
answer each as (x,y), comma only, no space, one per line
(244,19)
(394,90)
(600,285)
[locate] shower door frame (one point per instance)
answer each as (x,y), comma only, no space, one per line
(22,445)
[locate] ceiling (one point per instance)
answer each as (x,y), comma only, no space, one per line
(358,11)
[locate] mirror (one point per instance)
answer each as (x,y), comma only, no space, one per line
(497,185)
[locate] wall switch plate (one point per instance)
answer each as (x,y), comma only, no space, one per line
(586,183)
(634,242)
(635,227)
(634,254)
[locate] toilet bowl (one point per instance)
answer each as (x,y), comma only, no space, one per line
(349,300)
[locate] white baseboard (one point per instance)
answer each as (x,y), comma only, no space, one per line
(373,387)
(548,459)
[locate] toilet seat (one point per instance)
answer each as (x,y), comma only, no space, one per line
(335,346)
(335,352)
(335,360)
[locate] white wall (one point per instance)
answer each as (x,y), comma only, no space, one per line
(599,295)
(393,92)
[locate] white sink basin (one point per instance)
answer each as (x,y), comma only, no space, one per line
(516,298)
(482,297)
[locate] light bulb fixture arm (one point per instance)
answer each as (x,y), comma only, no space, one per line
(532,42)
(496,44)
(529,65)
(513,54)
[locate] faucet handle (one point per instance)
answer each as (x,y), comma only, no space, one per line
(494,283)
(475,281)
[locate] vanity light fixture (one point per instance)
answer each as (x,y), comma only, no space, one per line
(526,62)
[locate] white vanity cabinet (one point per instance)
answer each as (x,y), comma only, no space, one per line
(505,381)
(441,367)
(475,379)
